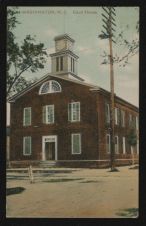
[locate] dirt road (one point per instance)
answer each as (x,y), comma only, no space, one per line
(81,193)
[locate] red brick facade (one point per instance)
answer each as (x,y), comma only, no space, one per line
(92,125)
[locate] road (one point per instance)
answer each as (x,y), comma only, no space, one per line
(74,193)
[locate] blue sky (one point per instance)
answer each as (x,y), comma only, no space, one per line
(84,24)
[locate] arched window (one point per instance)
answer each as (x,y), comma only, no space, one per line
(50,87)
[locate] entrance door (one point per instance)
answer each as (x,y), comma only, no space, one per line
(50,150)
(49,147)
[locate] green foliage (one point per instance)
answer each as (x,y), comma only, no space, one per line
(132,137)
(21,57)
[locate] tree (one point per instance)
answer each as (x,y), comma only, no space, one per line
(21,57)
(132,139)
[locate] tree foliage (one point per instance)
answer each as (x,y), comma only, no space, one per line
(132,136)
(28,55)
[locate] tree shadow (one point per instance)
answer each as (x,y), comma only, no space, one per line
(130,212)
(15,190)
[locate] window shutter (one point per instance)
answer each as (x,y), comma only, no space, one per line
(119,114)
(50,114)
(69,112)
(76,143)
(44,114)
(78,111)
(27,146)
(107,113)
(122,118)
(27,116)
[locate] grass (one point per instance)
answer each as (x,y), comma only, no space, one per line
(130,212)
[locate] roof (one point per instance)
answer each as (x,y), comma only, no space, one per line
(45,78)
(92,87)
(66,36)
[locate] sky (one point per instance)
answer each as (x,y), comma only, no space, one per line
(84,24)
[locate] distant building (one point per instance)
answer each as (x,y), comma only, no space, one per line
(61,118)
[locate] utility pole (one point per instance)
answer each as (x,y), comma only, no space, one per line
(108,25)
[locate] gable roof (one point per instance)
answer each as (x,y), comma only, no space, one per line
(92,87)
(45,78)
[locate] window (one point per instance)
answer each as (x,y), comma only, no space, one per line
(124,145)
(108,147)
(117,116)
(74,111)
(72,64)
(116,144)
(27,116)
(137,126)
(137,147)
(130,120)
(61,63)
(76,143)
(123,118)
(107,112)
(26,145)
(50,87)
(48,114)
(57,63)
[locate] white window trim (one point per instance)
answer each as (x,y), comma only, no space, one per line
(116,116)
(108,113)
(46,109)
(130,119)
(124,145)
(109,146)
(50,87)
(117,152)
(24,122)
(123,118)
(137,126)
(137,147)
(24,138)
(79,144)
(72,120)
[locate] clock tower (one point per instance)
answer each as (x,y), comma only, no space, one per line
(64,60)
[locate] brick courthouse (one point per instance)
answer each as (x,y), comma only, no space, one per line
(62,119)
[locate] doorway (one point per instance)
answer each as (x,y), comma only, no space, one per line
(49,146)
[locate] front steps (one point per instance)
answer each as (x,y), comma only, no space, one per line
(47,164)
